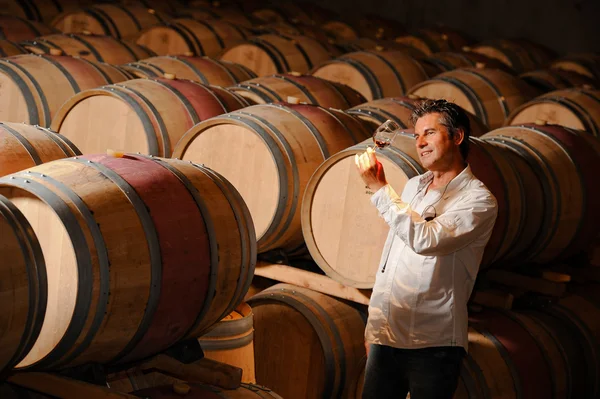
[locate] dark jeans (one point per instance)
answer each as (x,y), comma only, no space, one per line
(428,373)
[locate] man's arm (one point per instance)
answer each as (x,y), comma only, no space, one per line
(451,231)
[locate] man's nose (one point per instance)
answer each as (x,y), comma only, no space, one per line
(421,142)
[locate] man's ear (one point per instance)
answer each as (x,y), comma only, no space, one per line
(459,136)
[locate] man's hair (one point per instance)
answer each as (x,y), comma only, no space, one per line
(453,118)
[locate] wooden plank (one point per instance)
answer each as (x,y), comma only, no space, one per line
(63,387)
(531,284)
(313,281)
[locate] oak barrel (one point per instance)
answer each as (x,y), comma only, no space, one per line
(374,74)
(184,35)
(122,22)
(576,108)
(271,54)
(228,14)
(563,160)
(546,80)
(307,344)
(150,115)
(17,29)
(490,94)
(37,10)
(200,69)
(587,64)
(431,41)
(448,61)
(90,47)
(8,48)
(34,87)
(231,341)
(23,293)
(270,152)
(23,146)
(305,88)
(107,230)
(517,54)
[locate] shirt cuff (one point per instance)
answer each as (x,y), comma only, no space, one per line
(383,199)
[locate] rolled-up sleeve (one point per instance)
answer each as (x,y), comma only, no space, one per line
(469,218)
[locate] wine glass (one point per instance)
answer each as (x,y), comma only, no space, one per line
(385,134)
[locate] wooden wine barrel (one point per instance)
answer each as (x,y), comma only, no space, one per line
(374,74)
(200,69)
(533,376)
(546,80)
(348,249)
(577,313)
(356,390)
(231,341)
(448,61)
(183,35)
(579,374)
(201,391)
(270,54)
(340,30)
(8,48)
(378,27)
(115,73)
(122,22)
(34,87)
(23,291)
(585,64)
(366,44)
(516,54)
(305,88)
(490,94)
(564,161)
(153,114)
(399,109)
(430,41)
(159,5)
(23,146)
(37,10)
(487,371)
(17,29)
(302,335)
(108,231)
(576,108)
(285,144)
(228,14)
(286,12)
(91,47)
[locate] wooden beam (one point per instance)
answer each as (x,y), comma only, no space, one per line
(313,281)
(531,284)
(65,388)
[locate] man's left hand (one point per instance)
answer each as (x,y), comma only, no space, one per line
(370,169)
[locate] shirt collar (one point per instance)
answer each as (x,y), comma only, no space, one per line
(459,180)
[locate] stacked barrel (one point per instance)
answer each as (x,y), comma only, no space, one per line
(152,151)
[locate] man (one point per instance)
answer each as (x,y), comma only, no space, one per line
(417,327)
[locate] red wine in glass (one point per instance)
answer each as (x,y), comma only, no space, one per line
(385,134)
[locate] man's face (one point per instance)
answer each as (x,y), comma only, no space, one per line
(435,147)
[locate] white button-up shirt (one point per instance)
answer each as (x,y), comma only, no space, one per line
(428,268)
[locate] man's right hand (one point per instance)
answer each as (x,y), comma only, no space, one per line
(367,348)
